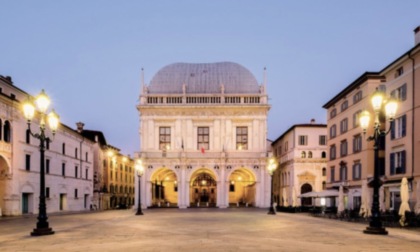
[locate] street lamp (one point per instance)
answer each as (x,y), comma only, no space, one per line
(140,170)
(375,224)
(42,102)
(271,168)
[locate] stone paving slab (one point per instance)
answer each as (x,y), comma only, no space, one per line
(199,230)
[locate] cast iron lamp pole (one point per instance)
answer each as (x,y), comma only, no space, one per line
(140,171)
(271,168)
(42,102)
(375,224)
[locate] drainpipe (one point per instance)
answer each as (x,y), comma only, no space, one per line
(412,116)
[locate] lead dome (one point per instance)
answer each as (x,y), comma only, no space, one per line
(204,78)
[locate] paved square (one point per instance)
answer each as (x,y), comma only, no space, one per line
(199,230)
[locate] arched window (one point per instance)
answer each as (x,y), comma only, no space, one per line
(323,154)
(324,185)
(324,171)
(303,154)
(310,154)
(6,132)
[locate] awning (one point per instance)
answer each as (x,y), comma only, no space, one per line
(322,194)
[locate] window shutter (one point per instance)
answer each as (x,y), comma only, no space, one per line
(403,92)
(403,125)
(391,158)
(393,129)
(402,161)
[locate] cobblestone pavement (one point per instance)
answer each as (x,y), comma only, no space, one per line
(199,230)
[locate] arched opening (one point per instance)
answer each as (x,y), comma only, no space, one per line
(305,188)
(303,154)
(242,188)
(164,188)
(203,189)
(310,154)
(4,170)
(323,154)
(6,132)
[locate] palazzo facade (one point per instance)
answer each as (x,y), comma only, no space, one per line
(203,131)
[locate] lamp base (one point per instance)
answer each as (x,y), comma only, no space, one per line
(375,231)
(271,211)
(42,231)
(139,212)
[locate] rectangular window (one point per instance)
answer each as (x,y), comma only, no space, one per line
(332,152)
(87,173)
(343,172)
(357,97)
(343,125)
(75,193)
(47,145)
(333,131)
(27,162)
(75,153)
(323,140)
(356,120)
(231,187)
(400,93)
(47,192)
(86,157)
(47,166)
(333,113)
(332,174)
(397,162)
(203,138)
(76,171)
(286,146)
(357,143)
(357,171)
(303,140)
(400,126)
(344,105)
(343,148)
(242,138)
(164,138)
(63,148)
(63,169)
(399,72)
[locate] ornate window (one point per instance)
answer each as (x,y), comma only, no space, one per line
(164,138)
(203,138)
(241,138)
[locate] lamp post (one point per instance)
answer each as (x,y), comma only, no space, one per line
(378,103)
(140,171)
(42,102)
(271,168)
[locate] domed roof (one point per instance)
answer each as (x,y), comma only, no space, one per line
(204,78)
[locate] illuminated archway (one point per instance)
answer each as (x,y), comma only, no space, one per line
(203,188)
(164,188)
(242,187)
(4,170)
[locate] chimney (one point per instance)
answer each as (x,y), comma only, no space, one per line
(312,121)
(80,126)
(417,36)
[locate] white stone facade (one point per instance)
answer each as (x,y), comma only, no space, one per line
(68,174)
(203,137)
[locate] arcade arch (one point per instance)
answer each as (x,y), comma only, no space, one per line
(4,170)
(242,187)
(203,188)
(164,189)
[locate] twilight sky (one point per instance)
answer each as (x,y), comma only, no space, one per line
(87,55)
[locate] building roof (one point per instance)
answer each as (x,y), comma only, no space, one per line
(364,77)
(304,125)
(92,134)
(204,78)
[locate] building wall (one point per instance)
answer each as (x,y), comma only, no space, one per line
(19,187)
(299,164)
